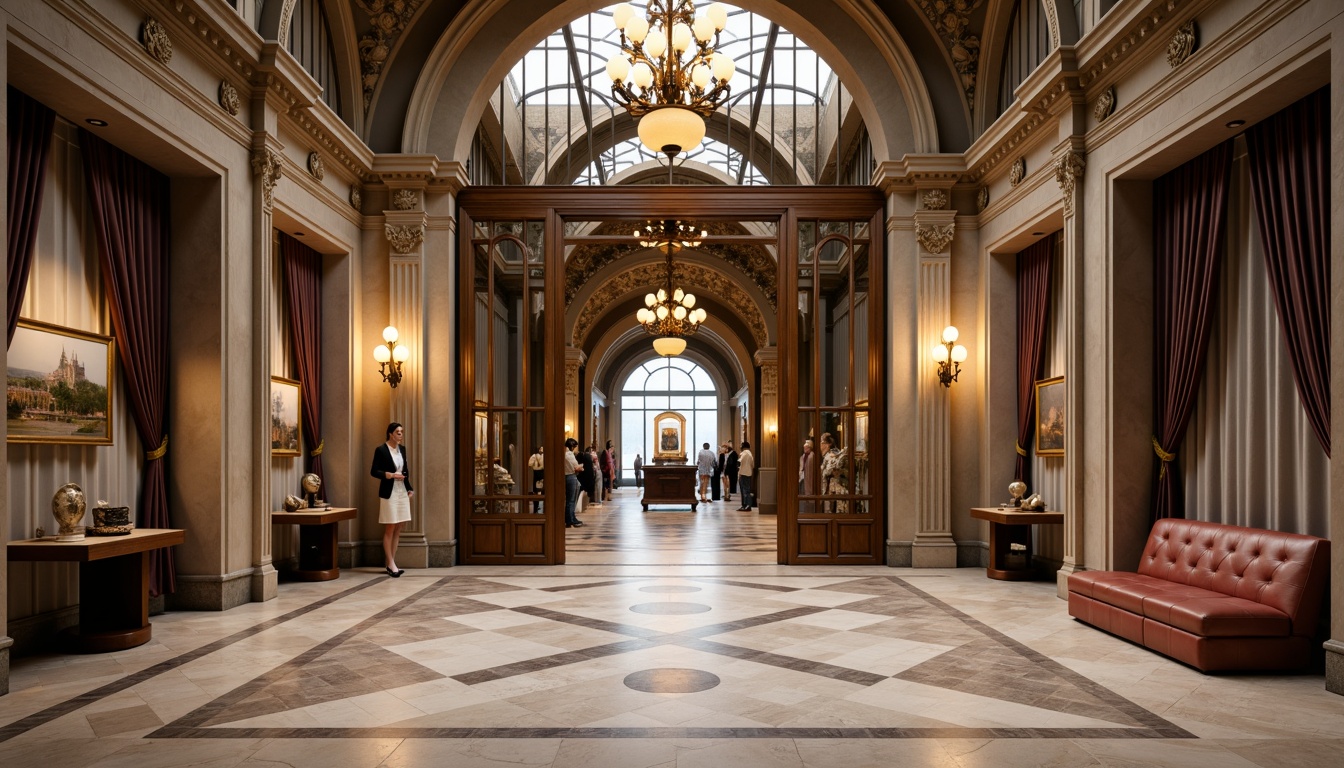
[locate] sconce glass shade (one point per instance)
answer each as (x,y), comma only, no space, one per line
(939,353)
(958,354)
(403,353)
(950,334)
(390,334)
(669,346)
(664,128)
(381,353)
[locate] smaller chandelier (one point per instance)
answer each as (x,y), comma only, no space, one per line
(670,315)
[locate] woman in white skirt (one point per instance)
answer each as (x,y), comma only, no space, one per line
(394,492)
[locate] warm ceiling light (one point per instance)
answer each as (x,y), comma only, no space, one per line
(669,346)
(1235,123)
(96,122)
(670,314)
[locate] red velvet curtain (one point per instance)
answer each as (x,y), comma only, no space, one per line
(1189,207)
(30,126)
(130,212)
(303,292)
(1034,265)
(1290,181)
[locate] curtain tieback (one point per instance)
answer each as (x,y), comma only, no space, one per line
(159,452)
(1164,456)
(322,444)
(1020,450)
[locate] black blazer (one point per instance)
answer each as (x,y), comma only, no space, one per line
(382,463)
(730,466)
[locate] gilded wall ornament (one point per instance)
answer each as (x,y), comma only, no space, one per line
(266,164)
(935,199)
(228,98)
(156,41)
(404,239)
(571,377)
(356,197)
(387,19)
(952,20)
(405,199)
(1068,170)
(1018,172)
(1105,105)
(1182,44)
(982,199)
(315,166)
(935,238)
(770,379)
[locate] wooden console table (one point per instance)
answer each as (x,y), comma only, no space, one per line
(1008,526)
(669,484)
(317,540)
(113,583)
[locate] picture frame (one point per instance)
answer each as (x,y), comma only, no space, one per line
(669,429)
(60,397)
(286,417)
(1050,417)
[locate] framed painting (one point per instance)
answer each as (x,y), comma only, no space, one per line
(1050,417)
(285,435)
(669,429)
(60,385)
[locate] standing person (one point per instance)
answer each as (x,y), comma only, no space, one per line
(588,469)
(730,468)
(807,476)
(704,465)
(571,484)
(719,461)
(608,470)
(536,462)
(394,493)
(834,474)
(639,471)
(746,471)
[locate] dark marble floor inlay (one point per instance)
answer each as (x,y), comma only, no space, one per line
(669,588)
(670,609)
(671,680)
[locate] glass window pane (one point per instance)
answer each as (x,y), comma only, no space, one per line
(681,363)
(700,380)
(680,381)
(808,463)
(628,401)
(709,403)
(659,381)
(861,486)
(535,334)
(536,443)
(654,404)
(682,403)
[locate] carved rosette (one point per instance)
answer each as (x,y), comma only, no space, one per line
(387,19)
(156,41)
(405,199)
(315,166)
(404,239)
(935,238)
(1105,105)
(228,98)
(1068,170)
(935,199)
(1182,44)
(266,164)
(952,20)
(1018,172)
(356,197)
(982,199)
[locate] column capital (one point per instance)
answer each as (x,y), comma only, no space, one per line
(767,356)
(267,166)
(1069,166)
(934,229)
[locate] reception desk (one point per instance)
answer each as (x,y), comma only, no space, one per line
(669,484)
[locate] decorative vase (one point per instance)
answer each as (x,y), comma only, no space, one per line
(68,508)
(110,521)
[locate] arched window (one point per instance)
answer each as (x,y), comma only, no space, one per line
(668,384)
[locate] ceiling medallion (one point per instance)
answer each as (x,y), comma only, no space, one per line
(670,315)
(1018,172)
(982,199)
(1105,105)
(1182,44)
(315,166)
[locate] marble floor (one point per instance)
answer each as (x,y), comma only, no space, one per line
(655,665)
(619,532)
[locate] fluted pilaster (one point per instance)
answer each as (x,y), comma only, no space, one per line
(934,546)
(1069,166)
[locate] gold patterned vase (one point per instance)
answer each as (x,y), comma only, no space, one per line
(68,508)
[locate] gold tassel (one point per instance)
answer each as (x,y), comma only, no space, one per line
(158,453)
(318,450)
(1163,455)
(1020,450)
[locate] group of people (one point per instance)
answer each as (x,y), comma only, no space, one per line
(830,467)
(730,470)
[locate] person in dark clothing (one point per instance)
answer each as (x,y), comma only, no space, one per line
(588,474)
(717,480)
(730,466)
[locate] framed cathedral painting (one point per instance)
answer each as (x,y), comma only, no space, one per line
(669,430)
(60,385)
(1050,422)
(285,394)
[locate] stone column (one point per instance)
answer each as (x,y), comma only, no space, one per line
(1069,165)
(574,360)
(266,167)
(5,640)
(1334,647)
(934,546)
(405,232)
(767,454)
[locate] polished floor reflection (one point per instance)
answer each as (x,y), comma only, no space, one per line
(620,532)
(568,666)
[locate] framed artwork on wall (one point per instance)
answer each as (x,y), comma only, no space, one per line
(285,394)
(669,427)
(59,385)
(1050,421)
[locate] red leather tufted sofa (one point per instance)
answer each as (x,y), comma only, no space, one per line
(1217,597)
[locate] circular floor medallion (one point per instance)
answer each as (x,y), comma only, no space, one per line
(671,680)
(669,588)
(669,609)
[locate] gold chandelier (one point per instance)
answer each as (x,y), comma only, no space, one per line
(669,74)
(670,315)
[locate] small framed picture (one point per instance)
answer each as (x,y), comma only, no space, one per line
(1050,421)
(285,418)
(60,385)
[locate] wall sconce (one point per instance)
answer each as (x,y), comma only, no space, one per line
(949,355)
(569,428)
(772,429)
(390,357)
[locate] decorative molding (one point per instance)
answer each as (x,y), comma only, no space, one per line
(769,378)
(1052,21)
(982,199)
(1128,41)
(697,278)
(572,377)
(1018,172)
(1068,170)
(228,98)
(404,239)
(934,238)
(935,199)
(315,166)
(405,199)
(1105,105)
(950,20)
(1005,146)
(266,164)
(356,197)
(1182,44)
(156,41)
(387,19)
